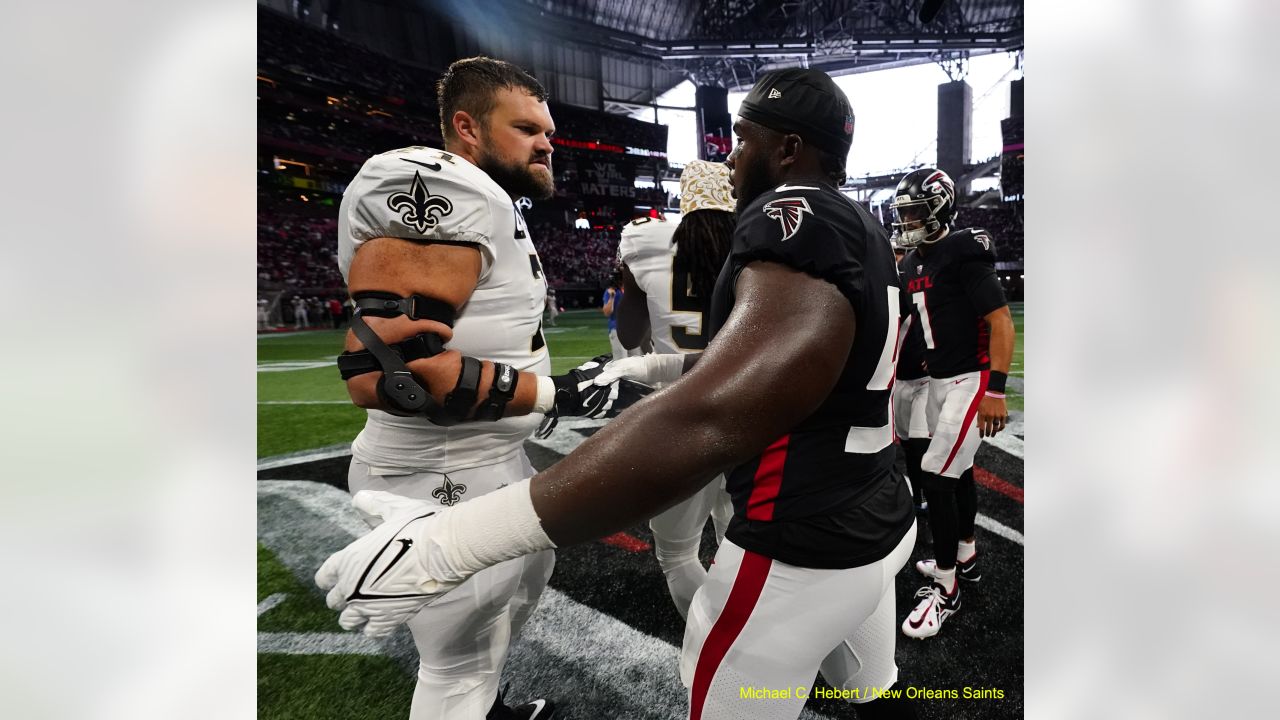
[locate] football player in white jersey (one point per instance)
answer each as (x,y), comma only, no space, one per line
(669,271)
(442,271)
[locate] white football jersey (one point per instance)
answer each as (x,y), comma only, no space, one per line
(674,322)
(421,193)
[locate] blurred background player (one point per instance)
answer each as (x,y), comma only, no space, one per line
(300,320)
(610,301)
(968,335)
(552,309)
(264,319)
(669,271)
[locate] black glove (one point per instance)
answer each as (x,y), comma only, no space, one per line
(576,395)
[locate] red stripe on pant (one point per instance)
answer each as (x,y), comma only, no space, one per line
(968,420)
(737,610)
(768,480)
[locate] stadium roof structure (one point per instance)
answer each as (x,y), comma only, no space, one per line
(730,42)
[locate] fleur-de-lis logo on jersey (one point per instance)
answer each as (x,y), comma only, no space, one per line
(788,211)
(450,493)
(418,208)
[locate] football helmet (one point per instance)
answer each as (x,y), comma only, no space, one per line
(923,205)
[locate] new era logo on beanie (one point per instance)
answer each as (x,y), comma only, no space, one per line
(816,108)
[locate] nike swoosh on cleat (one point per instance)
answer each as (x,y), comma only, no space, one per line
(918,623)
(538,705)
(429,166)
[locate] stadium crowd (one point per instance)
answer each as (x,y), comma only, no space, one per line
(575,257)
(297,252)
(326,105)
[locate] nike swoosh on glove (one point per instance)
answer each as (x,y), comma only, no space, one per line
(610,400)
(569,389)
(386,577)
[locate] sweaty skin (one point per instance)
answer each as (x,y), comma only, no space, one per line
(742,394)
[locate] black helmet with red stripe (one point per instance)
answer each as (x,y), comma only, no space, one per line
(924,205)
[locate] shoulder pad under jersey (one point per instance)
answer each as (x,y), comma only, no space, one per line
(644,237)
(422,194)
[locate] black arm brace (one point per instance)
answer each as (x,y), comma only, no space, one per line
(398,388)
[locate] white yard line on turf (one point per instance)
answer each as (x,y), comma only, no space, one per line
(270,601)
(296,365)
(1000,529)
(286,643)
(304,402)
(306,456)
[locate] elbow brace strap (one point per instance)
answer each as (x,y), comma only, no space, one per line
(418,307)
(503,388)
(424,345)
(398,388)
(457,404)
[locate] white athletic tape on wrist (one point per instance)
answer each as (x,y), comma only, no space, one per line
(487,530)
(666,367)
(546,395)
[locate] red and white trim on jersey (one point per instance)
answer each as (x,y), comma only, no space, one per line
(969,415)
(768,480)
(748,584)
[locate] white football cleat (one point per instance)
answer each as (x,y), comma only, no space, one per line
(934,608)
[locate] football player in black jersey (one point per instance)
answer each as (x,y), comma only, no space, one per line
(790,399)
(968,334)
(911,394)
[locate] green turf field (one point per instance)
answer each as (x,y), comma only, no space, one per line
(382,682)
(1016,367)
(302,403)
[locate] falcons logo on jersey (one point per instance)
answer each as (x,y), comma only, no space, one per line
(788,211)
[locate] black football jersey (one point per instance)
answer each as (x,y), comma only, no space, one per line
(825,495)
(911,353)
(953,287)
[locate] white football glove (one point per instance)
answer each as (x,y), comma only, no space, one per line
(386,577)
(652,369)
(421,552)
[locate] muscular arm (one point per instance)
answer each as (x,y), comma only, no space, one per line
(772,365)
(633,312)
(993,413)
(1002,332)
(442,271)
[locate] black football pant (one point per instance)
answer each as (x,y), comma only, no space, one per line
(953,506)
(913,450)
